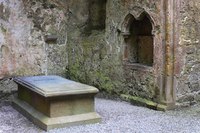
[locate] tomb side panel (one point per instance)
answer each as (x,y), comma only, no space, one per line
(37,101)
(71,105)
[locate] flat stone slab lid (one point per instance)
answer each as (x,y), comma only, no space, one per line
(50,86)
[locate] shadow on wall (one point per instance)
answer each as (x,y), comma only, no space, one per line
(97,16)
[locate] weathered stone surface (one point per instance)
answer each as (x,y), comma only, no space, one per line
(91,41)
(47,123)
(52,101)
(50,86)
(187,53)
(23,50)
(100,54)
(7,85)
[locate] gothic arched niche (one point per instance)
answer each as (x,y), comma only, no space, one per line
(138,39)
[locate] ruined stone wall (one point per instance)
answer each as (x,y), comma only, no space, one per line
(187,55)
(86,43)
(137,81)
(26,48)
(24,25)
(85,39)
(96,55)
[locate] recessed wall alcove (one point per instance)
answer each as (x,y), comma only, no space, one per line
(138,40)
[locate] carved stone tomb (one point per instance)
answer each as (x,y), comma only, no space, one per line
(53,102)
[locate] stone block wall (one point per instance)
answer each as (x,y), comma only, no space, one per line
(85,40)
(24,25)
(187,65)
(24,50)
(96,55)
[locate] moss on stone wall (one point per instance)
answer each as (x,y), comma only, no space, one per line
(96,58)
(90,44)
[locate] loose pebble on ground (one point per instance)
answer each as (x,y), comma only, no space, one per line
(117,117)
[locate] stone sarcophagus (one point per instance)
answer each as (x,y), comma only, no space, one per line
(53,102)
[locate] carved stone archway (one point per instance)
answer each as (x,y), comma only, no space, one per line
(138,37)
(167,94)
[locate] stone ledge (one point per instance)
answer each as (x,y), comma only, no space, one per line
(48,123)
(144,102)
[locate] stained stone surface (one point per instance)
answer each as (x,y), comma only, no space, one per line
(89,46)
(23,27)
(55,86)
(47,123)
(53,102)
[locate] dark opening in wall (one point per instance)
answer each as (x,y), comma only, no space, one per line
(139,41)
(97,12)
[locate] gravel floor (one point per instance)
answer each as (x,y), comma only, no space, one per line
(118,117)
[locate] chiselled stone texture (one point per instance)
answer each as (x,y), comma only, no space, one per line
(89,44)
(97,58)
(53,101)
(23,25)
(7,85)
(187,53)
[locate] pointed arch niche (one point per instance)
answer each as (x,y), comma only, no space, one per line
(138,41)
(151,51)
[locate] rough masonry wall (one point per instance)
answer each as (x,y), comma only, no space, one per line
(88,44)
(187,56)
(136,81)
(24,24)
(15,33)
(96,57)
